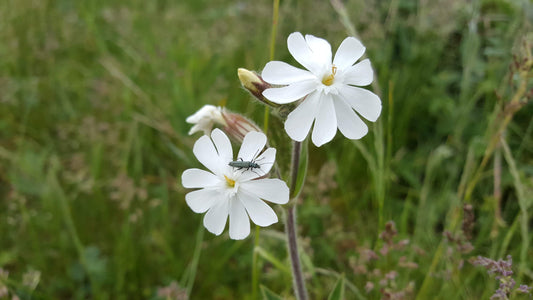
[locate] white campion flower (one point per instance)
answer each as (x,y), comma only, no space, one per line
(328,87)
(228,191)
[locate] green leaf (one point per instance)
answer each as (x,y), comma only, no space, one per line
(338,291)
(302,169)
(272,259)
(269,295)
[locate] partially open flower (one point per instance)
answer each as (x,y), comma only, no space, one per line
(236,125)
(205,119)
(237,190)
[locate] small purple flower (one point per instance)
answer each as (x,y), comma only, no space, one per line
(524,289)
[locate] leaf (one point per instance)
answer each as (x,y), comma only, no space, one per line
(302,169)
(272,259)
(268,294)
(338,291)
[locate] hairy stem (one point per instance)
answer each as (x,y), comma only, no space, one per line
(297,274)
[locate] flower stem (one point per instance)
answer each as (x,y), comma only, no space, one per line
(297,274)
(273,33)
(275,18)
(255,269)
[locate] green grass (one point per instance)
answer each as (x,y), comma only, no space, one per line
(93,141)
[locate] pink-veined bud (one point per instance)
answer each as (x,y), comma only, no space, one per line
(237,126)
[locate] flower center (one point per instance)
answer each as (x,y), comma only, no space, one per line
(230,182)
(328,80)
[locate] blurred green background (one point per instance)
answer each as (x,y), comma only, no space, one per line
(93,141)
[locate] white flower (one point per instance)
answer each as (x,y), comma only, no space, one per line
(205,118)
(231,191)
(328,88)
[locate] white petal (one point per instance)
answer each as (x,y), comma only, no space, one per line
(360,74)
(277,72)
(299,121)
(202,200)
(252,144)
(216,216)
(196,178)
(321,49)
(205,152)
(239,224)
(300,50)
(326,122)
(292,92)
(223,145)
(195,128)
(349,123)
(260,213)
(250,174)
(265,162)
(269,189)
(348,53)
(366,103)
(205,112)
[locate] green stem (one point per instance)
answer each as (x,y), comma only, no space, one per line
(195,259)
(71,228)
(522,203)
(275,18)
(273,33)
(255,270)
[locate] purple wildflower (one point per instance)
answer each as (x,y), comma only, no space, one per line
(503,271)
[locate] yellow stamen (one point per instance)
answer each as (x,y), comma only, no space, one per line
(328,80)
(230,182)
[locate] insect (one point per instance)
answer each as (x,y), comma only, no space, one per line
(248,165)
(241,164)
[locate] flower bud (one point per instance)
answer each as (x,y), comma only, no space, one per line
(255,85)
